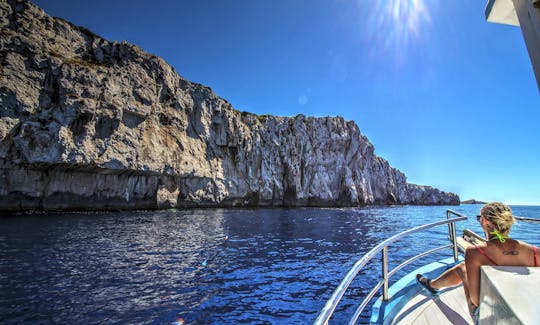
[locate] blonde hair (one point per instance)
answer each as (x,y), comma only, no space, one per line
(500,216)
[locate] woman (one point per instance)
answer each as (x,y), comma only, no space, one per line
(496,220)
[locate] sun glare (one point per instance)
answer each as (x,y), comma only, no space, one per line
(395,25)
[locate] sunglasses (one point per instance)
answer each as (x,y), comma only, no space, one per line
(478,218)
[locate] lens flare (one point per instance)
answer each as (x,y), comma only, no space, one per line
(179,321)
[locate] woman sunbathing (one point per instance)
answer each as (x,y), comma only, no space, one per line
(496,220)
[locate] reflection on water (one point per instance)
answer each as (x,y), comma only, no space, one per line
(211,266)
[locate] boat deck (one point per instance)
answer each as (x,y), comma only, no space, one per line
(410,303)
(450,307)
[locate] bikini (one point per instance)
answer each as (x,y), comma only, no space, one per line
(492,261)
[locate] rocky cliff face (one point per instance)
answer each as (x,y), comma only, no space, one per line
(90,124)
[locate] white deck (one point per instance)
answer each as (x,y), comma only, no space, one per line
(450,307)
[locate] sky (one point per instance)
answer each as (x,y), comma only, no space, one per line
(446,97)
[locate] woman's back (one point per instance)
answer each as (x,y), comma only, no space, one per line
(510,253)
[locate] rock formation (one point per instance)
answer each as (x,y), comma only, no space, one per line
(86,123)
(473,201)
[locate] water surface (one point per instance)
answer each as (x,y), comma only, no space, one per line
(215,266)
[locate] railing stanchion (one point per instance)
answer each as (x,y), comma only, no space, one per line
(385,272)
(454,241)
(449,225)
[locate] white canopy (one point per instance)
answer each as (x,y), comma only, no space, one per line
(502,12)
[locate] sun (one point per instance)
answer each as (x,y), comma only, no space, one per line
(408,16)
(395,25)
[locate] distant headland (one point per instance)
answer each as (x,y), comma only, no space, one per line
(473,201)
(91,124)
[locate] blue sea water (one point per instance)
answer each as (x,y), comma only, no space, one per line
(212,266)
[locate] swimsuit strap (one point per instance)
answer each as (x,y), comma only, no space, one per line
(486,255)
(534,252)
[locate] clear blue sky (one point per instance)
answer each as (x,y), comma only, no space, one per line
(444,96)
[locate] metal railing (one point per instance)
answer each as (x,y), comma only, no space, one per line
(533,220)
(332,303)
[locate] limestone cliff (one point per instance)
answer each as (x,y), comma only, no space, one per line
(91,124)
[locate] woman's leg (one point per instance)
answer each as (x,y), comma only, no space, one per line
(450,277)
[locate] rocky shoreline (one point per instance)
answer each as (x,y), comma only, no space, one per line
(87,123)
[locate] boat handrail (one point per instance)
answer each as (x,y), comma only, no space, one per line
(533,220)
(338,293)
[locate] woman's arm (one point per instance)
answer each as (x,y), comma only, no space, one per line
(472,264)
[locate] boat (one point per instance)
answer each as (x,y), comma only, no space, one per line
(406,302)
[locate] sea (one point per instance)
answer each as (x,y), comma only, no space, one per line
(208,266)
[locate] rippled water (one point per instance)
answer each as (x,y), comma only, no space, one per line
(263,266)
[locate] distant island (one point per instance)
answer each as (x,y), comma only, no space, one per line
(473,201)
